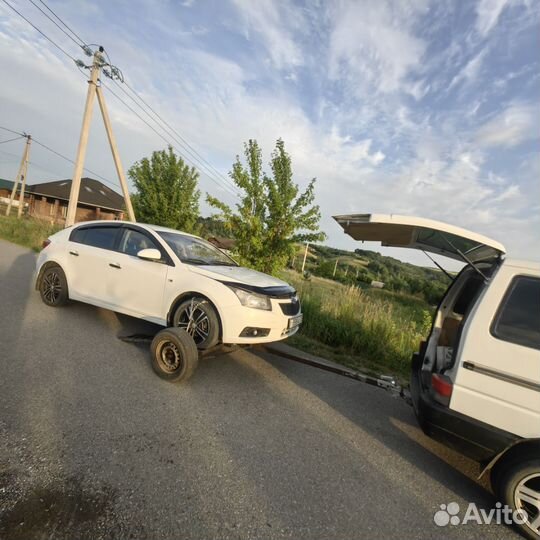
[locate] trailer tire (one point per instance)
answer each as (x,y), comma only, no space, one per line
(174,355)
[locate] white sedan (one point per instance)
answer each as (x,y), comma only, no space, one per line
(167,277)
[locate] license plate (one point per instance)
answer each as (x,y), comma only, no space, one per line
(295,321)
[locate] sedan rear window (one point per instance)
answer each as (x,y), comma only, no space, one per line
(192,250)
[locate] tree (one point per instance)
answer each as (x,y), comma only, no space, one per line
(167,191)
(272,215)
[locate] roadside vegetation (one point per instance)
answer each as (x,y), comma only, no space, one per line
(26,231)
(362,328)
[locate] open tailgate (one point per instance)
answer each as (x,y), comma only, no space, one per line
(423,234)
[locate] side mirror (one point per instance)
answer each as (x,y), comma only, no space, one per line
(149,254)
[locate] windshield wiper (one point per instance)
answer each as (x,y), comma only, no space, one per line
(194,261)
(222,263)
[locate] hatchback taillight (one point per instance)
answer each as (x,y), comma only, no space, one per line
(45,243)
(442,386)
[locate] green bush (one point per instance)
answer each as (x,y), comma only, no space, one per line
(26,231)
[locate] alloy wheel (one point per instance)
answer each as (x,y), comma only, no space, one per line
(51,287)
(527,498)
(194,320)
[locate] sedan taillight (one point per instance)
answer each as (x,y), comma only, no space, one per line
(45,243)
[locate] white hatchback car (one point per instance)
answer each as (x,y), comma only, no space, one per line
(167,277)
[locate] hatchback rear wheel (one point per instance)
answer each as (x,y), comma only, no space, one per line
(53,287)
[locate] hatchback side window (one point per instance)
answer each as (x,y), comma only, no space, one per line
(518,318)
(101,237)
(133,241)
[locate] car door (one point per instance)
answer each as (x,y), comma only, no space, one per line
(498,379)
(90,248)
(135,286)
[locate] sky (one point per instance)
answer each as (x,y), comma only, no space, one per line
(407,107)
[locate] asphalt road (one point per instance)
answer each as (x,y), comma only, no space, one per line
(94,445)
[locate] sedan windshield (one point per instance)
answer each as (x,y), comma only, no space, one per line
(191,250)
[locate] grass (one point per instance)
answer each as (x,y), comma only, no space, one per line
(28,232)
(367,329)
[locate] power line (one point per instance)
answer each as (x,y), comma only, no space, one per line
(11,131)
(38,30)
(62,22)
(162,137)
(21,135)
(54,22)
(73,162)
(14,139)
(186,143)
(202,163)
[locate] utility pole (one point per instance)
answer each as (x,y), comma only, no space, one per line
(116,155)
(21,175)
(305,256)
(94,89)
(335,268)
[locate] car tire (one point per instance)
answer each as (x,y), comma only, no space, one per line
(53,287)
(518,484)
(205,332)
(174,355)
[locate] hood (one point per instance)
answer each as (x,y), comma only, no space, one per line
(238,274)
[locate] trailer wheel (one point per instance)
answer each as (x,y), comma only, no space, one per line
(174,355)
(519,488)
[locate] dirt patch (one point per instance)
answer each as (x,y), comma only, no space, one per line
(59,511)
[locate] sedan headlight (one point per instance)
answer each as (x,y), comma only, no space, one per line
(252,300)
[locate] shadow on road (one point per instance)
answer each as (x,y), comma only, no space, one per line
(366,407)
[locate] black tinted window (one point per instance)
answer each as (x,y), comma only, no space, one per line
(518,319)
(133,241)
(101,237)
(77,235)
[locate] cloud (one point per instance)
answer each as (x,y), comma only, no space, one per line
(487,14)
(369,43)
(510,127)
(270,22)
(470,71)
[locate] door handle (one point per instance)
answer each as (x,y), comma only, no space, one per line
(115,265)
(74,253)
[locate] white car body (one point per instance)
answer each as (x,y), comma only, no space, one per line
(150,289)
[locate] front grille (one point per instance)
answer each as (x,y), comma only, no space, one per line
(290,308)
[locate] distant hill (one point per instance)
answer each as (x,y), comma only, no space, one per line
(361,267)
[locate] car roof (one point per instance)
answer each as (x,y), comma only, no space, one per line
(156,228)
(522,263)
